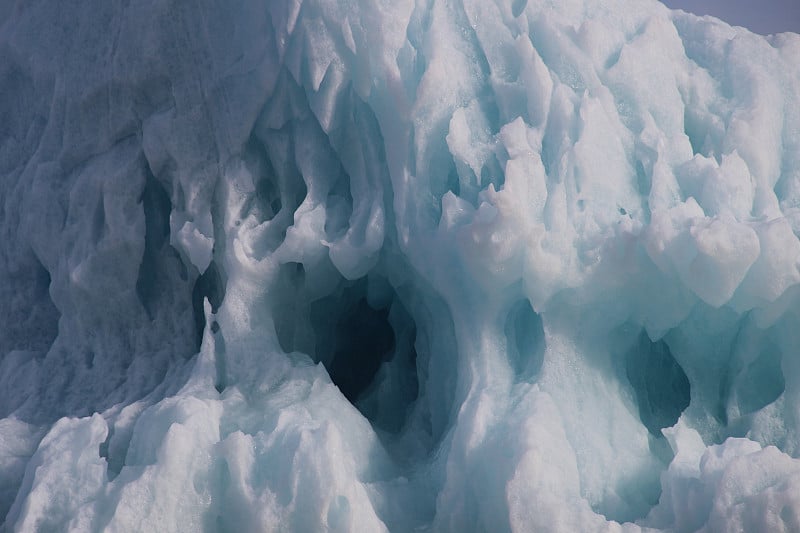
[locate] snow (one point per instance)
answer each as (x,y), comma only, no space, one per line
(309,265)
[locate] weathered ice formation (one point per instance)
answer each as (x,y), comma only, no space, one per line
(394,265)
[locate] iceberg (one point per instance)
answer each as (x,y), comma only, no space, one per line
(436,265)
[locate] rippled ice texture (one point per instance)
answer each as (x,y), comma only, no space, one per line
(466,265)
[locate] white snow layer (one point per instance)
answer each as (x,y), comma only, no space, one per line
(385,265)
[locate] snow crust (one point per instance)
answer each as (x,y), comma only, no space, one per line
(466,265)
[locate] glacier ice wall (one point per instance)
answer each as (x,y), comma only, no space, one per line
(308,265)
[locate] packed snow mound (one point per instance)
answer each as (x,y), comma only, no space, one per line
(463,265)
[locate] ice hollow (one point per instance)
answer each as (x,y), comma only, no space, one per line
(472,265)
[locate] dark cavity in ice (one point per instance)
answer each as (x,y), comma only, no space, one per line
(362,334)
(208,285)
(660,384)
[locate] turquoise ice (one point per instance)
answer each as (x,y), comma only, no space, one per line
(392,265)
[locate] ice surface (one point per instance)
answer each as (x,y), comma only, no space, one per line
(472,265)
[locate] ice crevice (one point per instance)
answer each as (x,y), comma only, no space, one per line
(309,265)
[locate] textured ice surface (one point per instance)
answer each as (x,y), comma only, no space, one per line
(471,265)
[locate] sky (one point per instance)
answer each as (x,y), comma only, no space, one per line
(759,16)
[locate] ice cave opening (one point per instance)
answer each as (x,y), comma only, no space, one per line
(365,338)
